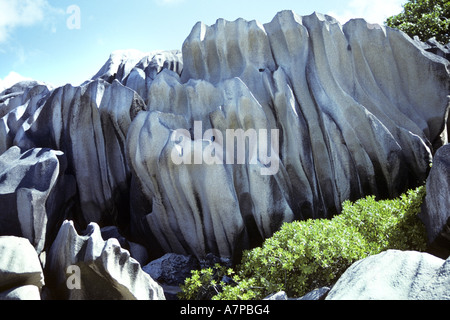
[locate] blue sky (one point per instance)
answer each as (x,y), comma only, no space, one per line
(67,41)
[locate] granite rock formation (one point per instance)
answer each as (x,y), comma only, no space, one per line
(435,210)
(395,275)
(356,112)
(106,271)
(209,150)
(21,274)
(34,194)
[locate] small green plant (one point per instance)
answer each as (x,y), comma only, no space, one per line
(305,255)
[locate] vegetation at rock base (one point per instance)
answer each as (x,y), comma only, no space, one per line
(305,255)
(425,19)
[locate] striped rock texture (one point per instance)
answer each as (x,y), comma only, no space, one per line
(360,110)
(324,112)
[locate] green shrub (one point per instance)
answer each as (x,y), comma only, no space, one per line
(305,255)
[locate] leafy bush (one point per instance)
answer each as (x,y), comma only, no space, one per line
(305,255)
(425,19)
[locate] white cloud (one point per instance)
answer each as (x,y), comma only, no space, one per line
(22,13)
(372,11)
(11,79)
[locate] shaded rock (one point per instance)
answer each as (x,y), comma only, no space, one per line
(28,292)
(279,296)
(434,46)
(137,70)
(89,124)
(137,251)
(34,194)
(435,212)
(21,275)
(395,275)
(106,271)
(357,109)
(318,294)
(315,295)
(18,105)
(171,269)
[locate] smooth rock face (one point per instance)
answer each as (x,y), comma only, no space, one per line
(89,124)
(395,275)
(34,194)
(137,251)
(28,293)
(358,109)
(137,70)
(171,269)
(19,268)
(435,210)
(18,105)
(323,113)
(106,271)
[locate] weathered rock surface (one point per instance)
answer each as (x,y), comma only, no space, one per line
(106,270)
(34,194)
(171,269)
(21,275)
(137,70)
(89,124)
(137,251)
(395,275)
(28,292)
(315,295)
(149,147)
(435,210)
(359,109)
(18,105)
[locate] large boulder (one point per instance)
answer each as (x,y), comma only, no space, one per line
(171,269)
(89,124)
(212,149)
(18,105)
(435,211)
(353,110)
(137,70)
(21,275)
(85,267)
(395,275)
(34,194)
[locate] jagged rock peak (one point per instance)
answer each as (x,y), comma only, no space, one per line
(108,271)
(359,108)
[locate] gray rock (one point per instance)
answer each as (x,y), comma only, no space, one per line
(19,267)
(395,275)
(137,251)
(106,271)
(315,295)
(358,107)
(434,46)
(28,292)
(137,70)
(34,194)
(89,124)
(435,212)
(171,269)
(279,296)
